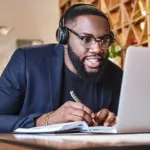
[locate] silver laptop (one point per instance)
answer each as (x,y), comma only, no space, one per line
(134,106)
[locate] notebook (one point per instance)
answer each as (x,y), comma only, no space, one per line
(78,126)
(134,104)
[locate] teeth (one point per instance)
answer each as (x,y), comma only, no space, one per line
(93,60)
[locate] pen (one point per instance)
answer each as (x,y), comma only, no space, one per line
(76,99)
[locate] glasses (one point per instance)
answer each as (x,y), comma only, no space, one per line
(88,41)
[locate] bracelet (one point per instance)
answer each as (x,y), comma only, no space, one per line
(46,118)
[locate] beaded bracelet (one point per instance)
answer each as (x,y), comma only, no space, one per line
(46,118)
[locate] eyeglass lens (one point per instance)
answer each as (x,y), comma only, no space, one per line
(89,42)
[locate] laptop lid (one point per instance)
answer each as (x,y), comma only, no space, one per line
(134,106)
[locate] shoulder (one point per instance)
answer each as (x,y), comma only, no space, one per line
(43,50)
(36,55)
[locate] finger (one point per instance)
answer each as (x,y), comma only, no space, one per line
(102,115)
(114,122)
(102,111)
(73,114)
(79,105)
(83,114)
(110,119)
(72,117)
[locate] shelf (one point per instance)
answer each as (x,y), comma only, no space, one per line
(115,18)
(129,7)
(72,2)
(124,1)
(112,3)
(138,19)
(138,27)
(140,8)
(95,3)
(126,29)
(119,36)
(118,28)
(63,2)
(103,6)
(114,7)
(131,38)
(128,20)
(145,34)
(144,44)
(125,18)
(90,1)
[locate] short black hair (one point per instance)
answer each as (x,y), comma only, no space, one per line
(83,10)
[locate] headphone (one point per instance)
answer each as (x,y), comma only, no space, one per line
(62,33)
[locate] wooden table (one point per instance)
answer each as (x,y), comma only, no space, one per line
(74,141)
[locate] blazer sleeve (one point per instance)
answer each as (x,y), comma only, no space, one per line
(12,91)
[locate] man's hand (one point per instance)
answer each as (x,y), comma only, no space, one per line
(70,111)
(105,118)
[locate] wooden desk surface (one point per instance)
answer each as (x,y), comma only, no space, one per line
(73,141)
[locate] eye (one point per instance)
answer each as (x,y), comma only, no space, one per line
(87,39)
(107,41)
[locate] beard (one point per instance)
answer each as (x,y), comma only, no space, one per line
(91,77)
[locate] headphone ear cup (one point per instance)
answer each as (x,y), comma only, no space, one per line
(62,35)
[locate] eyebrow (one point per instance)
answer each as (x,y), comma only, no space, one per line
(91,35)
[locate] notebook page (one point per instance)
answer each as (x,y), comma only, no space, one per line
(102,129)
(54,128)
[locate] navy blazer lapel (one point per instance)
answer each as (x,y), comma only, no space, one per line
(55,61)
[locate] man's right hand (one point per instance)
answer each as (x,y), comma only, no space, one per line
(69,111)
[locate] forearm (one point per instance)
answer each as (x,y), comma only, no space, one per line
(40,120)
(12,122)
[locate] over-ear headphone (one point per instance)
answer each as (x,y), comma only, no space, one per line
(62,33)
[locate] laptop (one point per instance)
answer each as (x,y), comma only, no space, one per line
(134,105)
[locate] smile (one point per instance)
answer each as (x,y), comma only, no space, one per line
(92,62)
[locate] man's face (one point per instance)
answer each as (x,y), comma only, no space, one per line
(88,62)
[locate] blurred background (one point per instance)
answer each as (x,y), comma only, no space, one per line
(34,22)
(26,22)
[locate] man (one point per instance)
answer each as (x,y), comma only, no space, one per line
(41,84)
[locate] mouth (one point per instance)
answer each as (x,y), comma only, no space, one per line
(93,61)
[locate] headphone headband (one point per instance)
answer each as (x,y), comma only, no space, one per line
(67,11)
(62,33)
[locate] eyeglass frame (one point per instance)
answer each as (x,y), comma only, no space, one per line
(96,40)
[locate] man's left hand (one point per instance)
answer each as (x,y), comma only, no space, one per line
(105,118)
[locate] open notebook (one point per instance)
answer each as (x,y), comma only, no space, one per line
(78,126)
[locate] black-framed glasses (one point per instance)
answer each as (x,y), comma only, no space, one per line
(88,41)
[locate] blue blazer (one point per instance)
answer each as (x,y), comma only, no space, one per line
(31,85)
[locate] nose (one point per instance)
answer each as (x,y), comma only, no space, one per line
(95,48)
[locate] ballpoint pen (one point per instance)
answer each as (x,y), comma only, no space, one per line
(76,99)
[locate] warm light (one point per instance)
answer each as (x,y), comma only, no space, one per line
(37,42)
(143,12)
(4,30)
(142,25)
